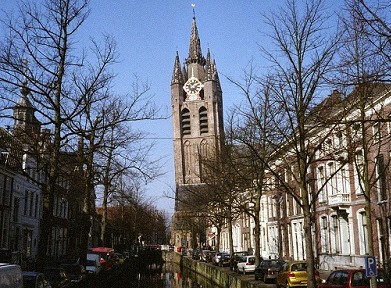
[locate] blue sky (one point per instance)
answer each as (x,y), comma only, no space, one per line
(149,33)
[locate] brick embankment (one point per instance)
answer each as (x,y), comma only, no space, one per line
(221,277)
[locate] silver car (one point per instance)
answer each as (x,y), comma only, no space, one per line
(246,264)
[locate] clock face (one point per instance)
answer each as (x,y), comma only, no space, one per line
(193,86)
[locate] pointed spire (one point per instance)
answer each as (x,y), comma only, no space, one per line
(177,74)
(25,90)
(23,100)
(216,75)
(209,67)
(195,54)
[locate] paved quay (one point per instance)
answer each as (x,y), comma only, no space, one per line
(200,270)
(249,277)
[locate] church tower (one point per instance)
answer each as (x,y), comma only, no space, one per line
(26,125)
(197,115)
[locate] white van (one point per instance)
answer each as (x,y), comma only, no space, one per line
(10,276)
(93,264)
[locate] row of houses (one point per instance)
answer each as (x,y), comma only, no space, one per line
(22,180)
(337,191)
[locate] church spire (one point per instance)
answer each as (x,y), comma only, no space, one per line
(216,76)
(209,68)
(195,54)
(177,74)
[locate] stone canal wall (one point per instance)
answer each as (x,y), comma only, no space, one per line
(212,274)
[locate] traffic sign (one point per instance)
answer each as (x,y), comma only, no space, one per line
(370,266)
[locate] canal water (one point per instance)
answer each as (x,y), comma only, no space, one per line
(171,277)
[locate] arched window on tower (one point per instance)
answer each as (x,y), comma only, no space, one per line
(185,121)
(203,113)
(203,156)
(188,162)
(204,149)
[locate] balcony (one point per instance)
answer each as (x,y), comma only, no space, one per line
(339,200)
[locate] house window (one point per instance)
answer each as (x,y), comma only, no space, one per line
(31,204)
(26,197)
(389,226)
(363,233)
(359,171)
(328,145)
(381,178)
(295,207)
(185,121)
(335,234)
(324,239)
(376,129)
(36,205)
(288,205)
(339,140)
(15,217)
(321,184)
(331,184)
(356,131)
(380,236)
(203,115)
(343,180)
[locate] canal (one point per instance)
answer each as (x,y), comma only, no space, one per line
(170,277)
(167,276)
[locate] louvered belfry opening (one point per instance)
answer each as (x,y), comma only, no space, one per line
(203,120)
(185,120)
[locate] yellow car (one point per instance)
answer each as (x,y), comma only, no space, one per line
(294,274)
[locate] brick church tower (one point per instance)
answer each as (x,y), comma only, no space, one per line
(197,115)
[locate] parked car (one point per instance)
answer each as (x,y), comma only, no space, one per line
(210,256)
(236,257)
(35,280)
(196,254)
(204,254)
(294,274)
(352,278)
(268,269)
(93,264)
(57,277)
(10,276)
(217,257)
(246,264)
(225,260)
(106,254)
(76,272)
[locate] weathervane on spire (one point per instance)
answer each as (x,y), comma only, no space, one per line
(193,5)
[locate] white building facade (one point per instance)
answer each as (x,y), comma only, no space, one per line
(340,236)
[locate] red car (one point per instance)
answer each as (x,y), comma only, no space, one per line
(352,278)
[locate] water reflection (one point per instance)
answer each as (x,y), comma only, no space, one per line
(171,277)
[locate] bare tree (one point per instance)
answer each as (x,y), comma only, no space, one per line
(253,132)
(61,80)
(376,16)
(363,68)
(124,152)
(301,58)
(225,177)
